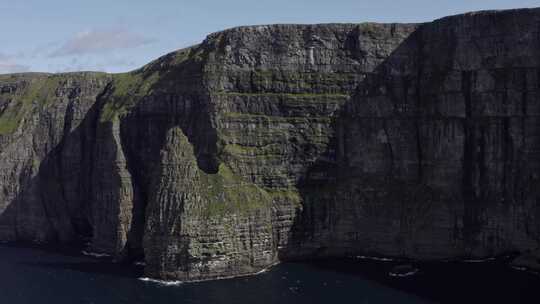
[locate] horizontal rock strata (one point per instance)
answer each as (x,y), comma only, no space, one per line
(266,143)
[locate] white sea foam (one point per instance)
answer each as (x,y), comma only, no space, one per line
(364,257)
(262,271)
(95,254)
(161,282)
(525,269)
(405,274)
(176,283)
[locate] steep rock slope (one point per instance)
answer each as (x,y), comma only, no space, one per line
(277,142)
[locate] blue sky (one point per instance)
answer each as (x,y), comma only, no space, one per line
(121,35)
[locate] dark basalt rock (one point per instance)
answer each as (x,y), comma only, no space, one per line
(276,142)
(528,260)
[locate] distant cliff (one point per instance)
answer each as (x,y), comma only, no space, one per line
(268,143)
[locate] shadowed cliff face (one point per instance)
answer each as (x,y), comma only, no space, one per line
(433,149)
(281,142)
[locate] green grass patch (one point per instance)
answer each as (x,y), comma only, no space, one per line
(39,90)
(267,150)
(128,89)
(227,193)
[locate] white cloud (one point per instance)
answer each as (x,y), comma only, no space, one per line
(101,40)
(104,63)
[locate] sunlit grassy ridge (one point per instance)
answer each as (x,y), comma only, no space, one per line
(34,90)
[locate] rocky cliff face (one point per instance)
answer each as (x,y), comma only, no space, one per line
(279,142)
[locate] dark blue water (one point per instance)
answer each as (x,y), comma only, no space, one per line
(34,275)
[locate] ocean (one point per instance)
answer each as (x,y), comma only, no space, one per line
(31,274)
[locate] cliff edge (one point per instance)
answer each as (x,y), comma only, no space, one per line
(268,143)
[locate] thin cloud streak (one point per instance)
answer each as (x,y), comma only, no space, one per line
(7,65)
(103,63)
(100,41)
